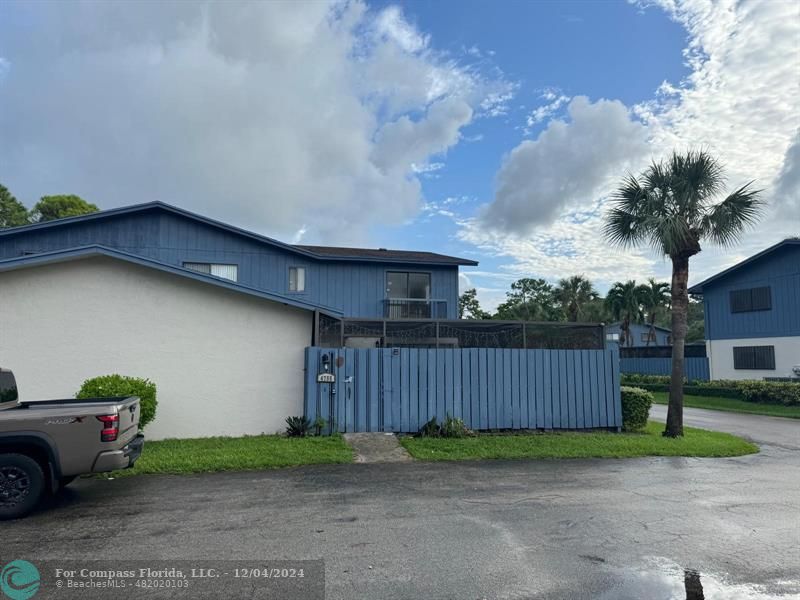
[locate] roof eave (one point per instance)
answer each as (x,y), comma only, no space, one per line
(157,204)
(76,253)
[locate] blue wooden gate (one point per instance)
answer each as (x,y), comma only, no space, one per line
(399,389)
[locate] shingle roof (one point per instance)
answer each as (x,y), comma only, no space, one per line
(382,253)
(698,288)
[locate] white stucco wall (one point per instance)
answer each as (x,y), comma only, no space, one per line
(225,363)
(720,357)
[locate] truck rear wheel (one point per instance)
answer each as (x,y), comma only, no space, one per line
(21,485)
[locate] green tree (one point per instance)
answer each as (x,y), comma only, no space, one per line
(12,211)
(655,297)
(50,208)
(529,300)
(673,207)
(624,302)
(469,307)
(574,294)
(696,330)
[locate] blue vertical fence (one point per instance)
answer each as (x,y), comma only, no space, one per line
(694,368)
(399,389)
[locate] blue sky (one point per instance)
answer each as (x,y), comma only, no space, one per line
(491,130)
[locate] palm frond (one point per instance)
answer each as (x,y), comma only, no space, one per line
(724,222)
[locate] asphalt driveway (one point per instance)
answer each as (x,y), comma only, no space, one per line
(775,431)
(504,529)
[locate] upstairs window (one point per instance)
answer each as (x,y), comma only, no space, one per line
(230,272)
(297,279)
(754,357)
(751,299)
(400,284)
(649,336)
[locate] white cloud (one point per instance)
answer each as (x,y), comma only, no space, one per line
(570,163)
(392,24)
(787,185)
(742,99)
(545,111)
(741,102)
(277,116)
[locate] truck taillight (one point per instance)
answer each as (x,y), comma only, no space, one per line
(110,429)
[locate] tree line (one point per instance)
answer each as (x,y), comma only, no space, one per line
(574,299)
(14,214)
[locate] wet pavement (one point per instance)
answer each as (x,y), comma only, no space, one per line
(649,528)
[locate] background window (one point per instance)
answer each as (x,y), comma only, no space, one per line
(224,271)
(752,299)
(754,357)
(649,336)
(297,279)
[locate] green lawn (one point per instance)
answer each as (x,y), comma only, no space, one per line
(247,453)
(733,405)
(696,442)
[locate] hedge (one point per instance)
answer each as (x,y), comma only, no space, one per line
(636,404)
(108,386)
(764,392)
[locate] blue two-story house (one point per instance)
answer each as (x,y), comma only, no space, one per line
(752,315)
(215,315)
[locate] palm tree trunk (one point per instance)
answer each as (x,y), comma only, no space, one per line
(680,313)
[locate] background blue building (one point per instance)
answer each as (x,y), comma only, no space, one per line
(752,315)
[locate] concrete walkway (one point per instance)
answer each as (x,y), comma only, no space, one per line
(377,448)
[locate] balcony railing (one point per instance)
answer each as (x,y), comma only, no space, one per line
(414,308)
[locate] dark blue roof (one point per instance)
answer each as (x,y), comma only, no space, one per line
(316,252)
(698,288)
(44,258)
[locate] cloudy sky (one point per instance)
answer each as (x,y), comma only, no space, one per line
(493,132)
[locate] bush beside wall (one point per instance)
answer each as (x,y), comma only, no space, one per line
(108,386)
(636,404)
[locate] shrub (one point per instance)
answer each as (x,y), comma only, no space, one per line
(635,379)
(319,424)
(768,392)
(636,404)
(297,426)
(450,428)
(454,428)
(430,429)
(693,390)
(107,386)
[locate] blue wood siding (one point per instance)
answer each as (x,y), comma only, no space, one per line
(694,368)
(355,288)
(399,389)
(780,271)
(637,330)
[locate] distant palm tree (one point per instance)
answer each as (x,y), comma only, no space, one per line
(672,208)
(574,294)
(624,302)
(655,296)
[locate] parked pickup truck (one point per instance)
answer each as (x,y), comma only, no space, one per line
(46,444)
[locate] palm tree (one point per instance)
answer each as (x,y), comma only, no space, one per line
(625,304)
(672,208)
(655,296)
(574,294)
